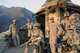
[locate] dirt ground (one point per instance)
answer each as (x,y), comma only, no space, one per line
(18,50)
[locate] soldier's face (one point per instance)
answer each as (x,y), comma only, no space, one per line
(71,31)
(51,20)
(14,23)
(36,27)
(67,18)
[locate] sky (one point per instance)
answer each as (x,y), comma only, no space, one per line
(32,5)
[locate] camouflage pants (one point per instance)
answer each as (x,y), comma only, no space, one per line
(29,33)
(73,51)
(16,40)
(52,45)
(30,49)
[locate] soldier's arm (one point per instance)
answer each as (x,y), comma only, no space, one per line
(62,22)
(77,39)
(27,25)
(60,30)
(41,34)
(47,31)
(10,28)
(39,39)
(26,43)
(65,37)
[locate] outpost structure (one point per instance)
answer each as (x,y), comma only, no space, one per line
(57,9)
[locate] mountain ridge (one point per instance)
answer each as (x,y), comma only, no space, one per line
(19,13)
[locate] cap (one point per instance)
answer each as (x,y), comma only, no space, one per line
(14,20)
(37,24)
(75,15)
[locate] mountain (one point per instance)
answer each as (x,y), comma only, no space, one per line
(19,13)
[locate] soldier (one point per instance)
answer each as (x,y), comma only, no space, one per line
(65,23)
(73,18)
(74,49)
(53,30)
(72,38)
(37,36)
(14,32)
(77,24)
(29,27)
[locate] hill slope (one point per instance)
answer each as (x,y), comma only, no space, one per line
(8,14)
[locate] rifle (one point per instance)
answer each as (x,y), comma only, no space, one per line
(26,43)
(31,40)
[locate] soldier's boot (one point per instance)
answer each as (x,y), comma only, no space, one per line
(34,51)
(26,50)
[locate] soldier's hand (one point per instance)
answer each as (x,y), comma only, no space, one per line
(62,40)
(21,46)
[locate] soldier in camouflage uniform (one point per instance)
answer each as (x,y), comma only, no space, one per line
(77,24)
(72,39)
(65,24)
(53,30)
(74,18)
(59,48)
(29,27)
(37,36)
(14,32)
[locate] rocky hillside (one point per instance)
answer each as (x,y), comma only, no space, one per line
(8,14)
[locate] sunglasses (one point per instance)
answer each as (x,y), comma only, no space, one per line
(14,22)
(67,19)
(36,26)
(51,19)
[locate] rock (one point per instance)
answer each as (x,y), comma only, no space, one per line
(2,46)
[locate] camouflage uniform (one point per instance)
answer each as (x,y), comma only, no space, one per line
(54,31)
(77,25)
(74,50)
(14,33)
(37,34)
(65,24)
(59,49)
(73,18)
(72,38)
(29,27)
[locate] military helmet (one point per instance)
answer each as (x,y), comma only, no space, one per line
(36,24)
(14,21)
(75,15)
(66,14)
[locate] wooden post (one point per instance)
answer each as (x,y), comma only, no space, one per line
(46,18)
